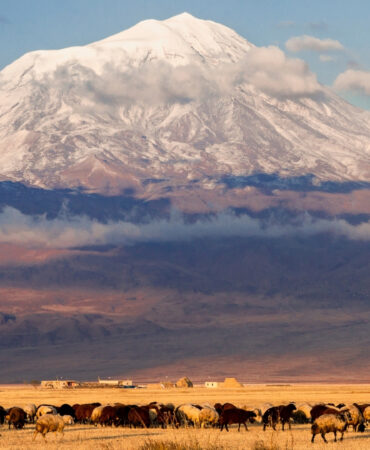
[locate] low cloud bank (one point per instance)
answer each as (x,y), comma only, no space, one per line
(63,232)
(266,69)
(354,80)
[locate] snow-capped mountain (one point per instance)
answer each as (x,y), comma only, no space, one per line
(177,101)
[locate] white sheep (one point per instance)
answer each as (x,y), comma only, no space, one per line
(68,420)
(330,423)
(153,415)
(187,414)
(96,413)
(48,423)
(30,410)
(45,409)
(208,416)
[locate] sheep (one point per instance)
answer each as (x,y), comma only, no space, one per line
(285,414)
(366,414)
(30,411)
(153,415)
(305,408)
(236,415)
(208,416)
(48,423)
(96,413)
(188,414)
(270,417)
(42,410)
(330,423)
(68,420)
(357,419)
(16,417)
(2,415)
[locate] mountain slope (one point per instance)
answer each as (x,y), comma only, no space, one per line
(179,102)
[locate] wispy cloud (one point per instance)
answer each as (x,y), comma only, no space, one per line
(305,42)
(62,232)
(353,80)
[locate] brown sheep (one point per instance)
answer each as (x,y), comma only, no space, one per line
(139,417)
(48,423)
(16,417)
(317,411)
(236,415)
(286,413)
(270,417)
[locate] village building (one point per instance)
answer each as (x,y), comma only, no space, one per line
(59,384)
(212,384)
(110,382)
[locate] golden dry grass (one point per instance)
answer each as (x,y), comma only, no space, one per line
(87,437)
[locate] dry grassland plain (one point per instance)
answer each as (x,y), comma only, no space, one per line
(90,437)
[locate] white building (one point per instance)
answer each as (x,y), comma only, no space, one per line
(211,384)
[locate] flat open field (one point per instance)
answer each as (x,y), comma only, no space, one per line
(86,436)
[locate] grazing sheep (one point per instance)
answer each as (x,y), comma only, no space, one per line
(357,419)
(42,410)
(270,417)
(83,412)
(68,420)
(366,414)
(330,423)
(96,413)
(317,410)
(167,416)
(66,410)
(30,411)
(285,414)
(236,415)
(16,417)
(208,416)
(305,408)
(188,414)
(153,416)
(49,423)
(108,416)
(139,417)
(2,415)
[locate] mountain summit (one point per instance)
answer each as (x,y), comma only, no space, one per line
(173,102)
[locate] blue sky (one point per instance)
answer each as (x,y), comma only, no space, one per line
(27,25)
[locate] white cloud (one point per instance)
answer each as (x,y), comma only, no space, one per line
(63,232)
(266,68)
(353,80)
(305,42)
(269,69)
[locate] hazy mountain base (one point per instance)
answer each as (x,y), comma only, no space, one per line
(284,309)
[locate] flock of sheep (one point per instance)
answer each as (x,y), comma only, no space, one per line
(325,418)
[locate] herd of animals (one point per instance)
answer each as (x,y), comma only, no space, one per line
(325,418)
